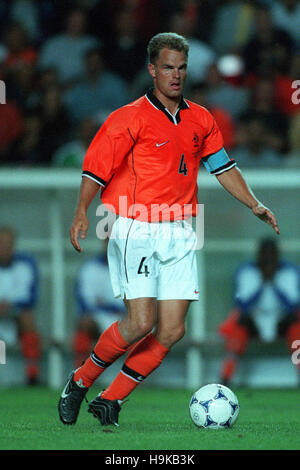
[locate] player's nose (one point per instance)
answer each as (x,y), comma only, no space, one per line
(176,73)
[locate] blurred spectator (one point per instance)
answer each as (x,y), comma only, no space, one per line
(263,105)
(36,88)
(38,18)
(270,48)
(148,23)
(97,307)
(234,24)
(11,129)
(203,13)
(286,15)
(55,124)
(126,52)
(3,55)
(4,14)
(235,99)
(71,154)
(101,91)
(146,14)
(197,94)
(292,159)
(242,50)
(267,301)
(46,127)
(26,12)
(20,52)
(27,149)
(18,296)
(22,87)
(253,148)
(65,52)
(284,89)
(231,68)
(48,78)
(201,55)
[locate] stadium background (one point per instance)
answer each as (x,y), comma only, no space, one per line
(238,72)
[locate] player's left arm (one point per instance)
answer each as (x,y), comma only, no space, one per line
(233,181)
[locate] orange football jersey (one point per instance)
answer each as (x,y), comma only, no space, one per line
(147,160)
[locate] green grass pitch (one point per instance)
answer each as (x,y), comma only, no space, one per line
(151,419)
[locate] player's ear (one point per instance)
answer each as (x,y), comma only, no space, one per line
(151,69)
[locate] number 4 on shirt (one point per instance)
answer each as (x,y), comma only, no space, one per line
(182,166)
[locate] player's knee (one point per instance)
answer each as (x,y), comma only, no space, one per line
(169,337)
(179,333)
(143,326)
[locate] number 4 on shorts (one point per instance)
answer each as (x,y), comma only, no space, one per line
(146,272)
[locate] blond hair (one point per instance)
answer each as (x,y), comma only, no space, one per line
(171,41)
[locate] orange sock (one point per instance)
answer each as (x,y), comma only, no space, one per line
(31,351)
(110,347)
(143,359)
(229,367)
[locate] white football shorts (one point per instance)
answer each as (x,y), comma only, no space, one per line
(153,260)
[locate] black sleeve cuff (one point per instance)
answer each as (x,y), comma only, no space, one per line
(94,177)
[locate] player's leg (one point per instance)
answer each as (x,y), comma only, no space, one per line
(133,276)
(144,357)
(135,327)
(171,315)
(30,345)
(116,339)
(112,344)
(126,248)
(168,269)
(149,352)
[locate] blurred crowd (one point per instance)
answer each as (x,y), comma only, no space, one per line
(68,64)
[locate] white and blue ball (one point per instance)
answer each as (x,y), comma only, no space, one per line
(214,406)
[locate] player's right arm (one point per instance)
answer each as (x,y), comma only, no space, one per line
(105,154)
(80,225)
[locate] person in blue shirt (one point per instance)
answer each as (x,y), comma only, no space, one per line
(18,298)
(267,305)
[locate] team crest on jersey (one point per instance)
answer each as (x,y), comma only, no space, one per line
(196,145)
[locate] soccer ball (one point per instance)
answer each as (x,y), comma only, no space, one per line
(214,407)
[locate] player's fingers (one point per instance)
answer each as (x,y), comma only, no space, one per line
(271,220)
(83,233)
(83,229)
(74,238)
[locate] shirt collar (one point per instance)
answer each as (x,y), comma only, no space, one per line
(158,105)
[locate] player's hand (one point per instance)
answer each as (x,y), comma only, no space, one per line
(78,229)
(264,214)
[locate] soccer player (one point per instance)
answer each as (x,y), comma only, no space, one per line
(148,153)
(18,296)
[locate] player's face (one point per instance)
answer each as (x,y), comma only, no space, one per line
(169,73)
